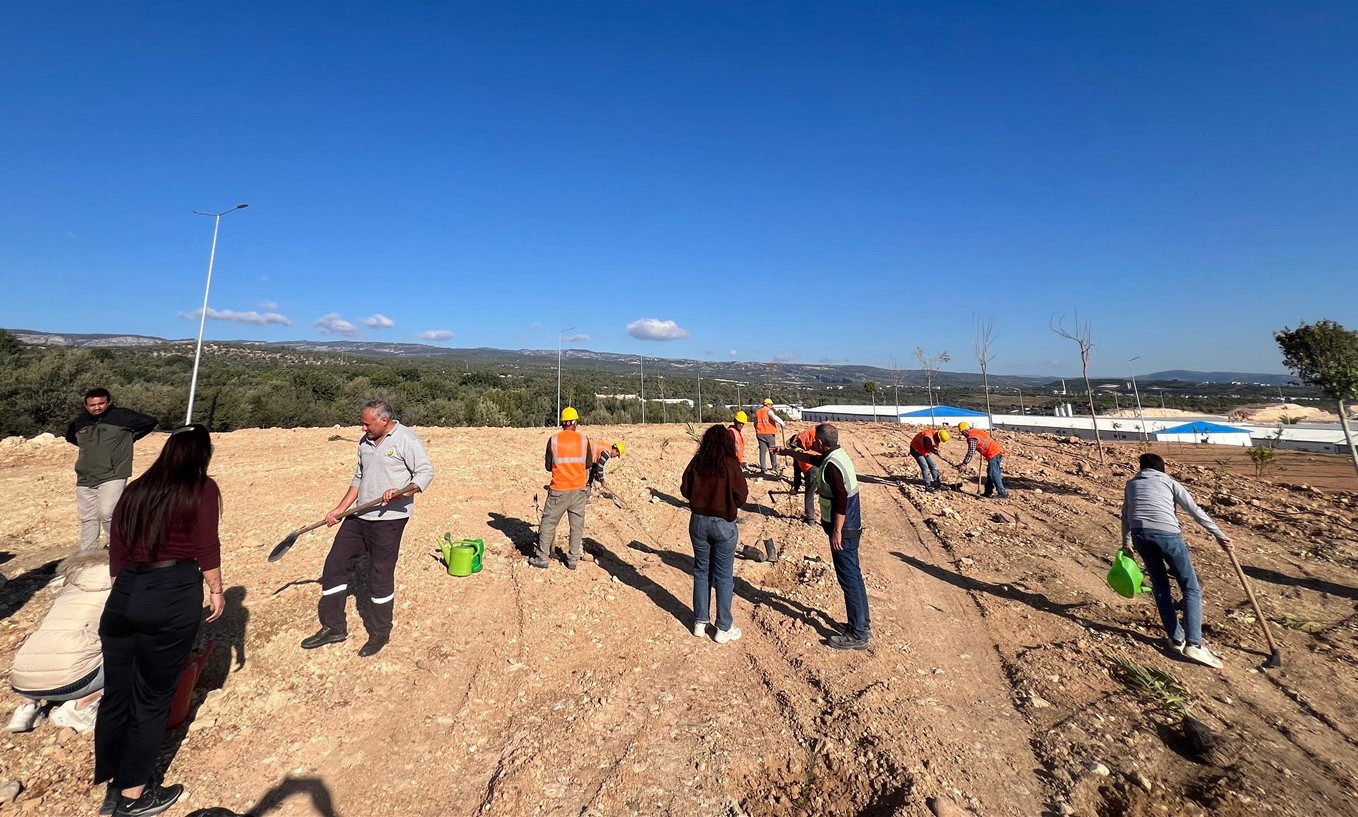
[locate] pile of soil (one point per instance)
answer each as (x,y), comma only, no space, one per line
(993,683)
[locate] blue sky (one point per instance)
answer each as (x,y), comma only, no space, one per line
(808,181)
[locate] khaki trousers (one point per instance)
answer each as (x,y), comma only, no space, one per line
(571,504)
(95,509)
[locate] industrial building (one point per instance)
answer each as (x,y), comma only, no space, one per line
(907,415)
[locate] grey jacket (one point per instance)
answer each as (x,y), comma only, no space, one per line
(397,462)
(1148,503)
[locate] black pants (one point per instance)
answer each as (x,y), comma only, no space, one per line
(381,540)
(147,630)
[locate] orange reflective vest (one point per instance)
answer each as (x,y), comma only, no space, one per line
(763,421)
(925,442)
(740,442)
(570,460)
(598,447)
(986,445)
(804,441)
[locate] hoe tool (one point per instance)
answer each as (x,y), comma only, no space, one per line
(281,549)
(1275,657)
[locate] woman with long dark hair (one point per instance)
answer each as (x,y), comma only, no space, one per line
(715,489)
(163,545)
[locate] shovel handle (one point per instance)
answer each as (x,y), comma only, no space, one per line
(1249,593)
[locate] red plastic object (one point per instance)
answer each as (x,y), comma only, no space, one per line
(183,694)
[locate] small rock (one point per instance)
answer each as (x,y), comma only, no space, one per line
(9,790)
(1099,769)
(1038,702)
(1064,809)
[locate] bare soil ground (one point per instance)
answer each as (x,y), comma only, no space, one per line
(991,681)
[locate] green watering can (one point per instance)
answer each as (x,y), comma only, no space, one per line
(462,556)
(1125,577)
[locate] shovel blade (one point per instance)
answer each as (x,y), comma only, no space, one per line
(281,549)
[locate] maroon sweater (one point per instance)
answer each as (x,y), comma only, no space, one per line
(191,536)
(720,495)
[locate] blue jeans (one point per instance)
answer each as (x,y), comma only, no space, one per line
(714,560)
(850,575)
(928,468)
(1165,555)
(993,481)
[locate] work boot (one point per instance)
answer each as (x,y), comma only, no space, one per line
(848,642)
(537,561)
(770,550)
(154,799)
(323,636)
(374,645)
(572,561)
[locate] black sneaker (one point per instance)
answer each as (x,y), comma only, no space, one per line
(153,800)
(848,642)
(572,564)
(374,645)
(110,801)
(323,636)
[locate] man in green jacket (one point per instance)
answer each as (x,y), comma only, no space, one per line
(104,434)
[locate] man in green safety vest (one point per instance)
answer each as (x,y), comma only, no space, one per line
(841,517)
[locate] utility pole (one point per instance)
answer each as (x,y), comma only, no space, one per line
(664,407)
(643,390)
(700,395)
(559,336)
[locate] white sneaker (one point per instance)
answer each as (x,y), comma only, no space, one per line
(81,720)
(27,716)
(1199,653)
(700,628)
(727,636)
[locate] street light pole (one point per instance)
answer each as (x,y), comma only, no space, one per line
(643,390)
(1137,392)
(559,335)
(202,317)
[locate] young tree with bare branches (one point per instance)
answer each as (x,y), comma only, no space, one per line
(1080,336)
(982,335)
(930,365)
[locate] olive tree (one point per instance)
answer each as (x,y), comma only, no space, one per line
(1325,355)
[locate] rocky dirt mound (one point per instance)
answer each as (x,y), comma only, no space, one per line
(1004,677)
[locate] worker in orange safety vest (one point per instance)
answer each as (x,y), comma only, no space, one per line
(766,425)
(923,448)
(804,441)
(569,458)
(980,442)
(737,429)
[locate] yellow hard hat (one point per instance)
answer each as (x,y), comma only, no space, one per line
(963,426)
(622,449)
(742,417)
(569,413)
(944,436)
(768,401)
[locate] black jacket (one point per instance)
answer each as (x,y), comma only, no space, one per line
(105,444)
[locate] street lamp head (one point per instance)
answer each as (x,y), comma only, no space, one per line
(240,206)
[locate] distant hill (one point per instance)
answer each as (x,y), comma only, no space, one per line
(736,370)
(1255,378)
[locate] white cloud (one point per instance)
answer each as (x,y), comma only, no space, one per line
(575,339)
(333,324)
(656,329)
(269,306)
(252,317)
(735,353)
(378,321)
(436,335)
(535,326)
